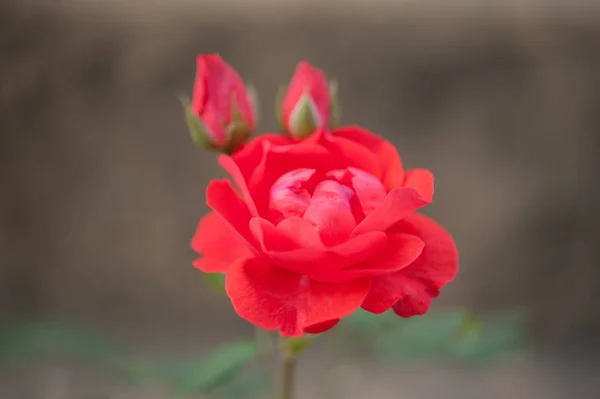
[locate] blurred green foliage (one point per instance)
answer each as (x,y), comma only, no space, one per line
(183,378)
(450,334)
(23,341)
(214,370)
(223,373)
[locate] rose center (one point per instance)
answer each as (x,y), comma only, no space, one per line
(341,197)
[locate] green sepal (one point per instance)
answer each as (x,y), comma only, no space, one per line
(195,126)
(238,130)
(304,118)
(215,280)
(295,346)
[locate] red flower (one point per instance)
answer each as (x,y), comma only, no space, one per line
(320,228)
(221,104)
(306,105)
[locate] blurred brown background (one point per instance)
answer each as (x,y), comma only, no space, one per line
(101,187)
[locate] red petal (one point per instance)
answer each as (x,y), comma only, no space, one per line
(284,251)
(385,152)
(330,211)
(418,283)
(399,203)
(250,155)
(350,153)
(274,299)
(289,196)
(368,189)
(221,197)
(219,243)
(302,232)
(270,239)
(357,249)
(422,181)
(414,305)
(277,160)
(321,327)
(401,251)
(300,251)
(234,171)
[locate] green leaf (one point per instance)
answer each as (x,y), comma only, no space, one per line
(218,368)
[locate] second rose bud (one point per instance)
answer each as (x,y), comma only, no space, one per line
(308,103)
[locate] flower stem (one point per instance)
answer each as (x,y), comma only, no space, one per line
(288,374)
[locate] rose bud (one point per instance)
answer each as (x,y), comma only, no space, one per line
(306,105)
(221,115)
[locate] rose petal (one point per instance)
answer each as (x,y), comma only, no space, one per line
(219,243)
(221,197)
(387,156)
(321,327)
(330,211)
(275,299)
(300,250)
(368,189)
(249,156)
(302,232)
(415,304)
(285,251)
(356,250)
(419,282)
(271,239)
(401,251)
(238,178)
(276,160)
(324,265)
(350,153)
(422,181)
(399,203)
(288,195)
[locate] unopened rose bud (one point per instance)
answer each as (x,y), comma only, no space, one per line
(221,115)
(306,104)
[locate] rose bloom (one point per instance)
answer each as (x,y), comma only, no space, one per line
(317,228)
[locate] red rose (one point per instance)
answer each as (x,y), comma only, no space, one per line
(321,227)
(224,112)
(307,101)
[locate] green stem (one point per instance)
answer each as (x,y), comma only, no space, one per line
(288,374)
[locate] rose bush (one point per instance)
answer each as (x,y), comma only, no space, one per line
(317,228)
